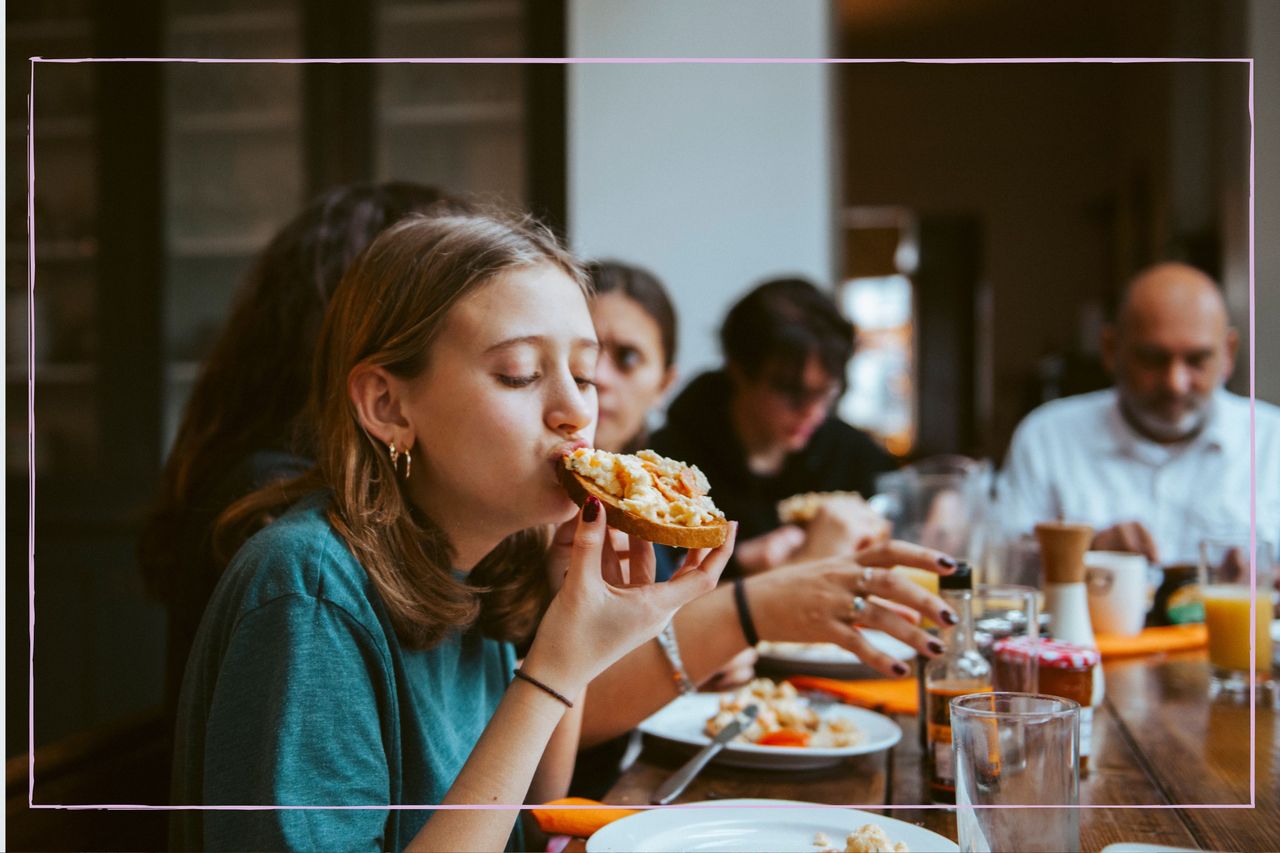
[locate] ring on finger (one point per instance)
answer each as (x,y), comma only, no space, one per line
(856,607)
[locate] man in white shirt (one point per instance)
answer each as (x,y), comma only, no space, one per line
(1162,460)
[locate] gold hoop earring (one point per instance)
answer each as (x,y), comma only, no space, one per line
(408,463)
(395,455)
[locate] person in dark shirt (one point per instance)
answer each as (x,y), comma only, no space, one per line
(762,429)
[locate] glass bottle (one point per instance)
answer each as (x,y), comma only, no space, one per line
(958,671)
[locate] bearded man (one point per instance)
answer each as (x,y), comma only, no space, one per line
(1161,460)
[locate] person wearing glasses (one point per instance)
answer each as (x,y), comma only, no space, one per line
(762,428)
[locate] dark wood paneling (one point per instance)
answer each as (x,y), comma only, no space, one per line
(126,762)
(946,285)
(128,116)
(338,98)
(545,114)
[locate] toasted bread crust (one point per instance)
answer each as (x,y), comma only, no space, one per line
(803,508)
(676,535)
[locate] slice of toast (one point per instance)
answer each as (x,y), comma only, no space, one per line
(803,508)
(676,535)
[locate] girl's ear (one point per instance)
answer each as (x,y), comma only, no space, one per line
(668,380)
(378,397)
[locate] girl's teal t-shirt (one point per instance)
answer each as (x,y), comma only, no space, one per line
(298,693)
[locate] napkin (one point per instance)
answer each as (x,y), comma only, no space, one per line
(1167,638)
(579,822)
(886,695)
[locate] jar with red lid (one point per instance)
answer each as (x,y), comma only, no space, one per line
(1065,669)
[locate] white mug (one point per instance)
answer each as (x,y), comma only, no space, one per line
(1117,584)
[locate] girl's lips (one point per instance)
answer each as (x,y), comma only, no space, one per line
(556,459)
(561,451)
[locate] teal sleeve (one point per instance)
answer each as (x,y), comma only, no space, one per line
(296,719)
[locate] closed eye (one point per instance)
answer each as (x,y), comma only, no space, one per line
(518,381)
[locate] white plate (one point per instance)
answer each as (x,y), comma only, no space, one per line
(733,825)
(829,660)
(683,721)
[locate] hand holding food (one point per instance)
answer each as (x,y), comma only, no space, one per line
(625,560)
(592,622)
(647,495)
(835,523)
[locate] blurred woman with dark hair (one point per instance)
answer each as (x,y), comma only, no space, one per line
(241,427)
(762,428)
(636,324)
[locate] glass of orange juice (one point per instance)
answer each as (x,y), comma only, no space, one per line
(1240,650)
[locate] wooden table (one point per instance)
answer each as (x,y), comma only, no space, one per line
(1158,741)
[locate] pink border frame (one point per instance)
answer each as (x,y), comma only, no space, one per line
(616,61)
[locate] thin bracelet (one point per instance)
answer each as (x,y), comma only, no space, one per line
(520,673)
(744,612)
(667,641)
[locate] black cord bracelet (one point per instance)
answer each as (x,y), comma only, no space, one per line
(521,674)
(744,612)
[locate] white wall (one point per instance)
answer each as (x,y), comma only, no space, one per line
(712,176)
(1264,39)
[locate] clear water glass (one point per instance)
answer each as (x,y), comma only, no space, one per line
(1017,761)
(1002,611)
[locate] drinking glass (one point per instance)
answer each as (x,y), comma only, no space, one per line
(1226,592)
(1014,750)
(941,503)
(1013,559)
(1001,611)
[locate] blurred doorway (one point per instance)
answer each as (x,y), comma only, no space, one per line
(911,285)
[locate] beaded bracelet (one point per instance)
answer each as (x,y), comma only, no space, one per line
(521,674)
(667,640)
(744,612)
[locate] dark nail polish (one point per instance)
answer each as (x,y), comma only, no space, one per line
(935,647)
(949,617)
(900,668)
(590,510)
(946,562)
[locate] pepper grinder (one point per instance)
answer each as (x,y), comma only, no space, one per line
(1062,550)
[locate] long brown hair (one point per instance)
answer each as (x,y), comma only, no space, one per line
(387,312)
(252,389)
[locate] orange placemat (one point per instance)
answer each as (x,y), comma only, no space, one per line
(579,822)
(1167,638)
(886,695)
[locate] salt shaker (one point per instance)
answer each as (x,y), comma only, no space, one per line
(1062,550)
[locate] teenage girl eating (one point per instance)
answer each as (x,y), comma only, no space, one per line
(358,651)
